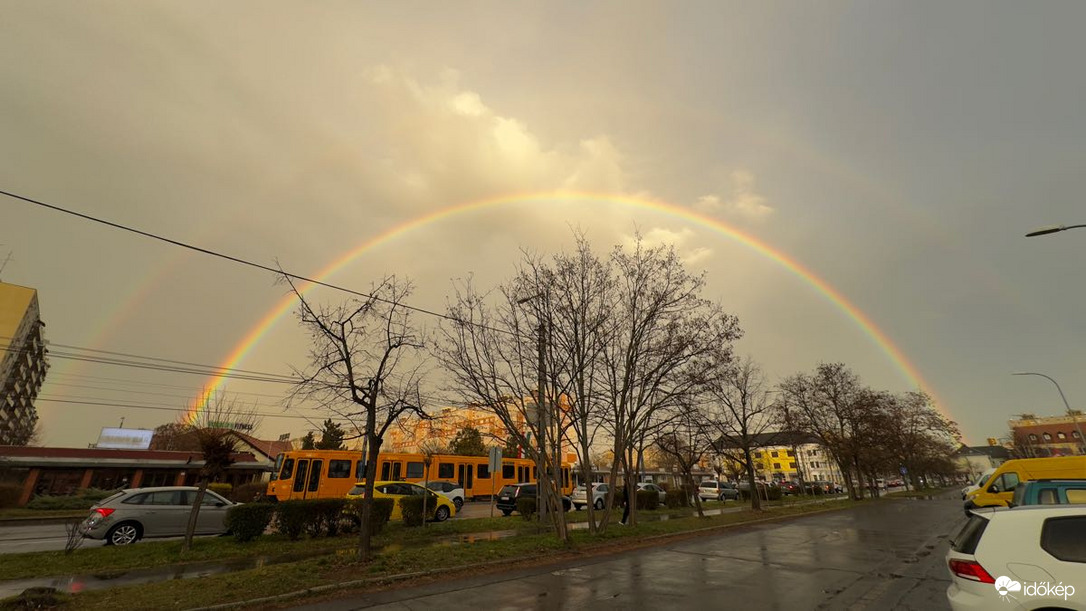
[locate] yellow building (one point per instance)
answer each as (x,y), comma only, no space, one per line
(22,362)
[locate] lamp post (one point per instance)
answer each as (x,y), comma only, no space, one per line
(1070,412)
(541,482)
(1051,229)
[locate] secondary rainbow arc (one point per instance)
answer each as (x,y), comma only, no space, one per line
(284,305)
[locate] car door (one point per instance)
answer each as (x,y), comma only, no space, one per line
(171,511)
(212,518)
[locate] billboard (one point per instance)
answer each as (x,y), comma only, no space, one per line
(125,439)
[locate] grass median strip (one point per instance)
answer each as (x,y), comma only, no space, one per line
(401,558)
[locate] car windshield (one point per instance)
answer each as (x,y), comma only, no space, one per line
(509,490)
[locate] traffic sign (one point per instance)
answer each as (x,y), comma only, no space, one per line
(495,459)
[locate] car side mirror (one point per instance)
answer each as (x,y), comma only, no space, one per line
(994,488)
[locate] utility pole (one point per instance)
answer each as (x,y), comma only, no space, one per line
(542,484)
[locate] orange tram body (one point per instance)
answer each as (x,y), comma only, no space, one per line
(314,474)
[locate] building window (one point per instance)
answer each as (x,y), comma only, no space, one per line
(777,466)
(790,453)
(1032,437)
(1047,436)
(1074,434)
(1061,435)
(774,453)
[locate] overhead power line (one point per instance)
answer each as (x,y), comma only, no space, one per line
(245,262)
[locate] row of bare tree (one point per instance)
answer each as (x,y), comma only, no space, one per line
(577,348)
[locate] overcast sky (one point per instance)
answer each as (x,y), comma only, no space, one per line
(900,151)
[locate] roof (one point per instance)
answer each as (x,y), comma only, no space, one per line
(271,449)
(28,456)
(771,439)
(997,452)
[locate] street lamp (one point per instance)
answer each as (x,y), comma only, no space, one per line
(1051,229)
(1070,412)
(542,484)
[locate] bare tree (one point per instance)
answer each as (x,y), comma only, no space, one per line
(655,360)
(684,439)
(366,365)
(822,404)
(211,430)
(740,412)
(494,361)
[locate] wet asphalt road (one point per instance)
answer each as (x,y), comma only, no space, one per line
(882,556)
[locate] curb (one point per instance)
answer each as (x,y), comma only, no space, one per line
(601,550)
(33,521)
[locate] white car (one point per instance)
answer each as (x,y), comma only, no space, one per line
(977,483)
(452,491)
(599,494)
(1032,557)
(651,486)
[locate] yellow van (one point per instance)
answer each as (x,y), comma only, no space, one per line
(998,491)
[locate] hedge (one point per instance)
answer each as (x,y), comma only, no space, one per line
(379,514)
(222,489)
(249,521)
(325,516)
(9,495)
(248,493)
(676,499)
(647,500)
(526,507)
(411,509)
(291,518)
(82,499)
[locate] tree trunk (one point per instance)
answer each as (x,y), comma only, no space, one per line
(755,498)
(367,500)
(586,467)
(194,513)
(689,476)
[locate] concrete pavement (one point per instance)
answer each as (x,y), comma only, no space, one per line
(886,555)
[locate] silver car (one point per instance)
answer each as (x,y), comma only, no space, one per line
(130,515)
(599,493)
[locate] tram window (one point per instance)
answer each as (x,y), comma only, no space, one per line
(482,471)
(288,469)
(509,471)
(415,469)
(446,470)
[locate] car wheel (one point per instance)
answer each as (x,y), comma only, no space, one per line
(458,503)
(506,512)
(441,514)
(125,533)
(598,504)
(722,497)
(578,507)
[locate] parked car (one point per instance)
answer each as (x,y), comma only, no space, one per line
(1002,555)
(717,491)
(654,488)
(789,487)
(135,513)
(507,497)
(977,483)
(998,489)
(452,491)
(1050,492)
(599,496)
(896,483)
(442,508)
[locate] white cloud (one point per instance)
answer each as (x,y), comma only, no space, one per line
(660,236)
(741,202)
(442,143)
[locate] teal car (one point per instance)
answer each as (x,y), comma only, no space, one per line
(1050,492)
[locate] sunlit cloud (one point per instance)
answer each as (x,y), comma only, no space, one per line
(740,202)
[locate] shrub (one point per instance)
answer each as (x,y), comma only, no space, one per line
(82,499)
(249,521)
(647,500)
(248,493)
(9,495)
(324,516)
(222,489)
(411,509)
(379,515)
(291,518)
(666,487)
(526,507)
(775,493)
(676,499)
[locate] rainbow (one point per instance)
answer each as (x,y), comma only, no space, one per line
(283,307)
